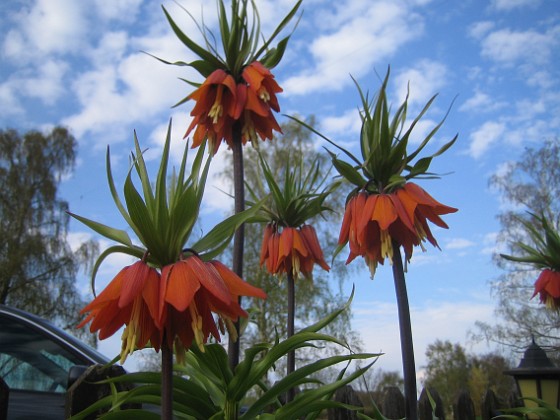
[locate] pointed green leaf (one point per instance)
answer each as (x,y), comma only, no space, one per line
(116,235)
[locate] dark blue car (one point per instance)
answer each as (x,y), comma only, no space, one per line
(37,360)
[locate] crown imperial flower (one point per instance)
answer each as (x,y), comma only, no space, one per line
(239,87)
(165,295)
(221,103)
(384,208)
(544,255)
(131,300)
(191,291)
(290,244)
(372,221)
(291,250)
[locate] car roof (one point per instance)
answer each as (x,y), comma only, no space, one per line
(71,343)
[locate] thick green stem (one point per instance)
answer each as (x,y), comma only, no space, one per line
(290,327)
(231,410)
(407,348)
(239,237)
(166,382)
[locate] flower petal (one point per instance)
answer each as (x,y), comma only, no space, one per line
(182,285)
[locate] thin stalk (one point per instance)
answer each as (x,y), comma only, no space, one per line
(239,236)
(166,382)
(290,327)
(407,348)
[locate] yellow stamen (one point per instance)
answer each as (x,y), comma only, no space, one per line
(263,94)
(372,265)
(217,110)
(129,334)
(295,266)
(386,246)
(180,351)
(197,326)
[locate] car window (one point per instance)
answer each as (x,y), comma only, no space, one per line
(30,360)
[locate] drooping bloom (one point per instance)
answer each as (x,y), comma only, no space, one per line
(292,250)
(130,299)
(373,221)
(247,57)
(222,102)
(261,90)
(547,287)
(217,108)
(385,210)
(191,292)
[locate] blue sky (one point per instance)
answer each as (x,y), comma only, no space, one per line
(80,64)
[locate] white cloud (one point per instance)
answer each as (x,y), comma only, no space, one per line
(459,243)
(110,49)
(347,123)
(480,29)
(115,96)
(482,139)
(507,5)
(49,26)
(9,101)
(425,79)
(509,47)
(125,10)
(47,85)
(367,35)
(481,102)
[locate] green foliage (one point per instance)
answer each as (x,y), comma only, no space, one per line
(543,411)
(242,41)
(447,370)
(385,163)
(205,387)
(546,239)
(163,216)
(316,298)
(450,370)
(38,269)
(300,197)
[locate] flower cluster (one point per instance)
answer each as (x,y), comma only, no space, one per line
(169,295)
(239,90)
(373,221)
(290,244)
(385,210)
(291,250)
(176,305)
(221,102)
(544,255)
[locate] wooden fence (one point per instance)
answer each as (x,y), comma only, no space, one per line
(392,405)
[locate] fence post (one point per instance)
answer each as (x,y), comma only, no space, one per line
(490,405)
(425,411)
(345,395)
(463,409)
(4,396)
(84,391)
(393,405)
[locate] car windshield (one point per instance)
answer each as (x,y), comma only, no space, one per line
(31,361)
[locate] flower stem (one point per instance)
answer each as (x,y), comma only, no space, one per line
(407,348)
(231,410)
(166,382)
(291,366)
(239,237)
